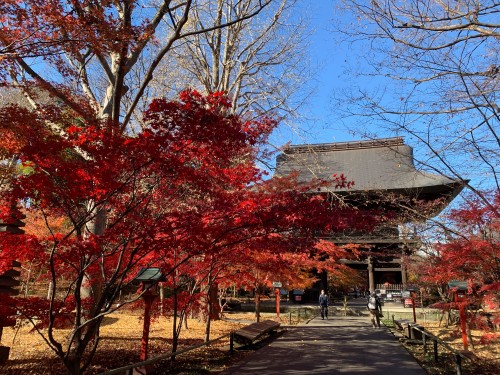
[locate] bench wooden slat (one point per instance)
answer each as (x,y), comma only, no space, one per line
(254,331)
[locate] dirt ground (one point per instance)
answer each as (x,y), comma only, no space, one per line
(121,342)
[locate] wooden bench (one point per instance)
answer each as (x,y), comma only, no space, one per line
(254,331)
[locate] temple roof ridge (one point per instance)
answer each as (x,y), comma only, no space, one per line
(348,145)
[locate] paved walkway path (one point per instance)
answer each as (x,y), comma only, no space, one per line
(340,345)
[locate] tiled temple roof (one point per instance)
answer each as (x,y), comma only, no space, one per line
(382,164)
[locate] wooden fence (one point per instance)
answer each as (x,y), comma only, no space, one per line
(143,364)
(427,337)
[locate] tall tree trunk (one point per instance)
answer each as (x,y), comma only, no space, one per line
(72,364)
(215,310)
(257,305)
(92,287)
(208,311)
(468,328)
(207,329)
(175,336)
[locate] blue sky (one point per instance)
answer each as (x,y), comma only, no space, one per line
(322,123)
(328,60)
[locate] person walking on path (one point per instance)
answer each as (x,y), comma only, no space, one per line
(375,308)
(323,305)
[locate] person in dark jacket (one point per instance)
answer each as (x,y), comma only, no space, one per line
(375,308)
(323,305)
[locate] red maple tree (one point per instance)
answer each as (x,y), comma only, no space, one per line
(184,189)
(470,253)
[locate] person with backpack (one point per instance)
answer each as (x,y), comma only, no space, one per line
(323,304)
(375,308)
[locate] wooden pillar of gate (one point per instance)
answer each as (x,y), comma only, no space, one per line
(371,276)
